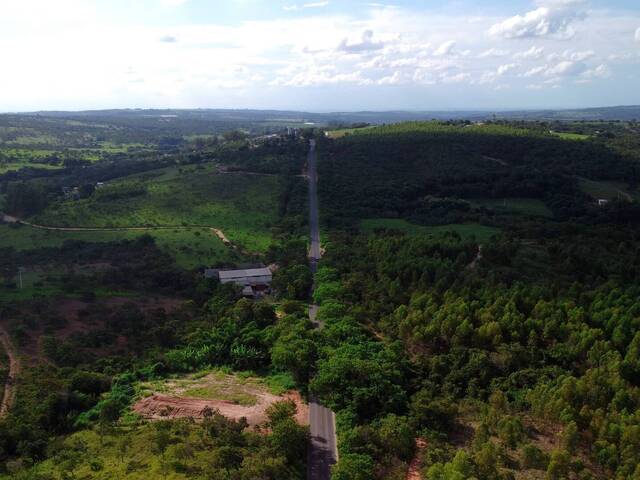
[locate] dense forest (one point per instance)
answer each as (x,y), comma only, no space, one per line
(518,358)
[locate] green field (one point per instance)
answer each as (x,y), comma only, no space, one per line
(527,206)
(192,247)
(243,206)
(16,158)
(571,136)
(480,232)
(346,131)
(607,190)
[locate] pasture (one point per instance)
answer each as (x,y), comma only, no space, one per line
(607,190)
(571,136)
(244,207)
(191,247)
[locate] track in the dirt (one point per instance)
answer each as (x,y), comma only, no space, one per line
(14,367)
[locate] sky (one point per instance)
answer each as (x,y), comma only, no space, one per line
(319,55)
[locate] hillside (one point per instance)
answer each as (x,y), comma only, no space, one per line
(476,292)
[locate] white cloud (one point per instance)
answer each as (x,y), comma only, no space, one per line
(394,79)
(457,78)
(601,71)
(168,39)
(494,52)
(534,71)
(366,44)
(638,35)
(534,53)
(550,19)
(445,49)
(504,69)
(565,69)
(295,7)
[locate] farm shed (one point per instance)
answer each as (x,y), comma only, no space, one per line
(253,277)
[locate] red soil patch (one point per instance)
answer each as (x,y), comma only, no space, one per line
(416,463)
(159,407)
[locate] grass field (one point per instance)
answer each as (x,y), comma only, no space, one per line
(345,131)
(191,247)
(571,136)
(527,206)
(243,206)
(607,190)
(480,232)
(12,158)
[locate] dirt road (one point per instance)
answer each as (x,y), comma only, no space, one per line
(14,368)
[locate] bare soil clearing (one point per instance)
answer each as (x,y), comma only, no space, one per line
(14,368)
(232,396)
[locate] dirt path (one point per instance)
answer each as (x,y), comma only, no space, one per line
(218,233)
(14,368)
(476,260)
(496,160)
(416,464)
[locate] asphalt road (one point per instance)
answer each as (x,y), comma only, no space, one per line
(323,450)
(314,223)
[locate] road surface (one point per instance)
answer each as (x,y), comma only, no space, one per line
(314,223)
(323,451)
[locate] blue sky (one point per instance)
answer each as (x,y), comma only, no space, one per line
(319,55)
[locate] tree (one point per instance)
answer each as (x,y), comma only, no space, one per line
(161,441)
(353,466)
(559,464)
(109,414)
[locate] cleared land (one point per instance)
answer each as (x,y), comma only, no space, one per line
(571,136)
(243,206)
(8,391)
(607,190)
(234,395)
(237,208)
(480,232)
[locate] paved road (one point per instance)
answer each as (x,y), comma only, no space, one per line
(323,451)
(314,223)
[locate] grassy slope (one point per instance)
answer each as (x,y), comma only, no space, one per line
(191,248)
(571,136)
(243,206)
(606,190)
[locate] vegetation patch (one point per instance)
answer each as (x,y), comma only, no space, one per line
(243,206)
(571,136)
(607,190)
(480,232)
(527,206)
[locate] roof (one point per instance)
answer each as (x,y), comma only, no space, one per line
(251,272)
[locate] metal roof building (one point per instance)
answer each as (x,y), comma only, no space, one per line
(252,276)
